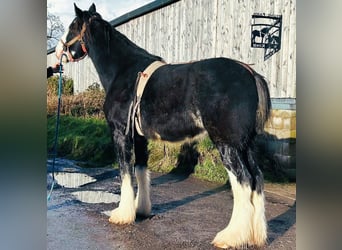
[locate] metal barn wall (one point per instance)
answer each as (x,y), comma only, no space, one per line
(196,29)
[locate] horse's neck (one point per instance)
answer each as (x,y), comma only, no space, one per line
(115,54)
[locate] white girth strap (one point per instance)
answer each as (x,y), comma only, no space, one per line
(143,79)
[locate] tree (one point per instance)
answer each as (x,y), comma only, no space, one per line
(55,30)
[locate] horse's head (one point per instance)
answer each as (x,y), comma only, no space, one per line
(74,42)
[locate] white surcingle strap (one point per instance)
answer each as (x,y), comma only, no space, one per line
(134,118)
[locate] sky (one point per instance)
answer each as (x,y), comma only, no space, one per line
(109,9)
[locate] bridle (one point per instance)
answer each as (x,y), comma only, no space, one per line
(78,38)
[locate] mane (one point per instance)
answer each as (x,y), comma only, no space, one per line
(138,50)
(111,34)
(111,51)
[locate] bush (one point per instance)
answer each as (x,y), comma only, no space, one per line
(67,86)
(84,134)
(86,104)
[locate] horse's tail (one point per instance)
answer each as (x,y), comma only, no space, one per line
(264,103)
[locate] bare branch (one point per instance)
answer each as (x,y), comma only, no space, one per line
(55,30)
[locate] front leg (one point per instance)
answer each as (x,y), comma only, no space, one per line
(125,213)
(143,200)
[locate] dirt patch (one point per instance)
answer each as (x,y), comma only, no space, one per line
(186,214)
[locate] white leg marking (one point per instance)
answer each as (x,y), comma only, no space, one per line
(239,231)
(143,201)
(125,213)
(259,219)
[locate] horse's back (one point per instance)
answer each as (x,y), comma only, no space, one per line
(223,75)
(209,78)
(214,78)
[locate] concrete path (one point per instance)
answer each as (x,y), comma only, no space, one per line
(186,212)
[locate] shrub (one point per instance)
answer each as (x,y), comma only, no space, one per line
(67,86)
(86,104)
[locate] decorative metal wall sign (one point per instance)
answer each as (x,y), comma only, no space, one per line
(266,33)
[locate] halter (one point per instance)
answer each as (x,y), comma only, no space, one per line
(78,38)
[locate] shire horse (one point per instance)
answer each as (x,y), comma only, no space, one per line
(223,97)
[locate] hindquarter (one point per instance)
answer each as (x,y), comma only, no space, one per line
(227,100)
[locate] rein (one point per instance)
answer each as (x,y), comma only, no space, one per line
(57,125)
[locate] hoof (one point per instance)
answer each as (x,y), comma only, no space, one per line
(143,209)
(144,213)
(122,217)
(228,238)
(125,213)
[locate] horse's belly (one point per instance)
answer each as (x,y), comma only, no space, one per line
(176,127)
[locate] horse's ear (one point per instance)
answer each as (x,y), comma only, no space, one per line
(78,12)
(92,8)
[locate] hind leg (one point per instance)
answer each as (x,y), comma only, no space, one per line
(142,200)
(240,231)
(258,200)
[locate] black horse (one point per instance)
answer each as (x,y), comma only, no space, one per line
(221,96)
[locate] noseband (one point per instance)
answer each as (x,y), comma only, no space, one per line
(78,38)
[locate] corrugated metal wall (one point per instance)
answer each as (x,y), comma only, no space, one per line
(196,29)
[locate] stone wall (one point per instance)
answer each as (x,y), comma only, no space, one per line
(282,124)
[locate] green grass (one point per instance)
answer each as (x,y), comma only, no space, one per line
(199,158)
(82,139)
(89,140)
(162,156)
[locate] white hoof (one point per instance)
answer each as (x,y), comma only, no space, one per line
(121,216)
(229,237)
(125,213)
